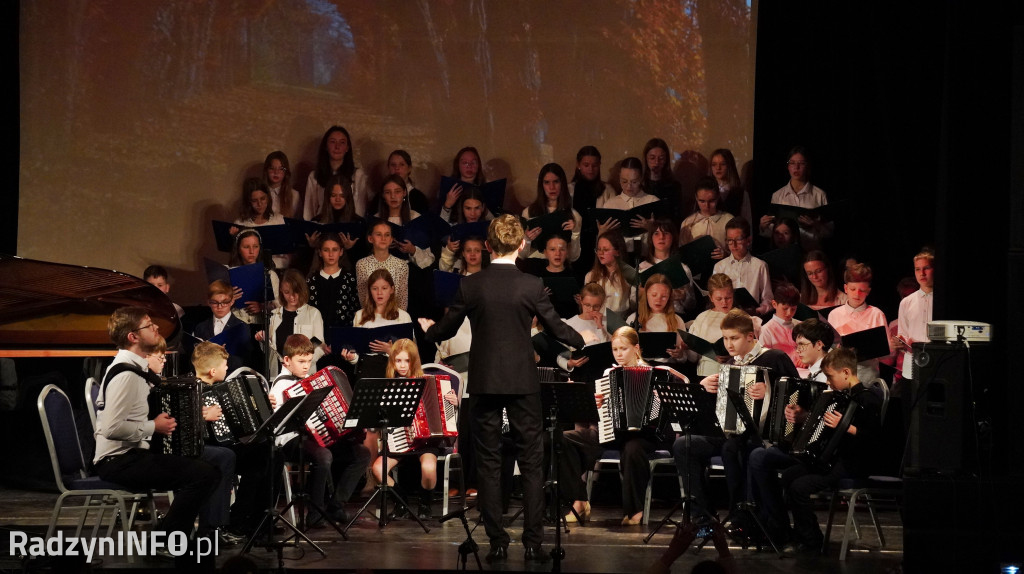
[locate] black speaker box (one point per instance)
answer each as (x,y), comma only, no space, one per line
(941,433)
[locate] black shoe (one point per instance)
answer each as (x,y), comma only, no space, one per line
(228,538)
(315,520)
(497,554)
(800,549)
(536,554)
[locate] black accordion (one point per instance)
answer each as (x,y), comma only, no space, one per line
(180,398)
(817,443)
(789,391)
(630,402)
(244,405)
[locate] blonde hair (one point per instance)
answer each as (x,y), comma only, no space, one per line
(631,337)
(207,356)
(409,346)
(505,234)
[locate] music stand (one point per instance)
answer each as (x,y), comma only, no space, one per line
(382,404)
(748,506)
(290,417)
(679,408)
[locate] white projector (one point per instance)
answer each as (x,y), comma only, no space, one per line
(971,331)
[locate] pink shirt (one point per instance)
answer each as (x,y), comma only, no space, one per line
(846,319)
(778,335)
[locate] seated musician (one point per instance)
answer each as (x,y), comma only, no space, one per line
(857,450)
(257,477)
(744,349)
(582,449)
(347,459)
(813,340)
(404,362)
(123,427)
(213,516)
(636,447)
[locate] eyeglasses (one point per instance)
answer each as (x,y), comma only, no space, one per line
(144,327)
(802,346)
(797,163)
(816,272)
(161,358)
(213,303)
(735,241)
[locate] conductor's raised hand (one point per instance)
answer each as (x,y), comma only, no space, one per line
(164,424)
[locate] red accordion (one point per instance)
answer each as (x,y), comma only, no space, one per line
(327,424)
(436,418)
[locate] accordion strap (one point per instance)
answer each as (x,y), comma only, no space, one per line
(116,370)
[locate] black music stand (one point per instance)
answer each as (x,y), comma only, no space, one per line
(290,417)
(680,400)
(382,404)
(754,435)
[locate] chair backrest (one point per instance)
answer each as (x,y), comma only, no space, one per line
(881,388)
(438,369)
(61,434)
(92,392)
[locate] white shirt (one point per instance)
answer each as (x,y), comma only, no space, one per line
(914,315)
(696,226)
(275,201)
(751,274)
(282,382)
(809,196)
(626,202)
(308,322)
(124,423)
(219,324)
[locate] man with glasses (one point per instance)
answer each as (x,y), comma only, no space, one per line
(124,427)
(224,327)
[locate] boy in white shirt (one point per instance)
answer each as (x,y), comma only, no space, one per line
(745,270)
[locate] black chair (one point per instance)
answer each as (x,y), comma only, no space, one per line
(73,477)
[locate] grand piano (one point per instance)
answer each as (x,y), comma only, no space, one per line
(58,310)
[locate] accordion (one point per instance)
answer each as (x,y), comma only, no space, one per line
(739,379)
(789,391)
(630,403)
(434,422)
(180,398)
(552,374)
(817,443)
(327,423)
(244,406)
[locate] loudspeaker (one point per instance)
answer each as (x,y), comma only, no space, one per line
(941,422)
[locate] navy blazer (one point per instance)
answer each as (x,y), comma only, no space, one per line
(501,302)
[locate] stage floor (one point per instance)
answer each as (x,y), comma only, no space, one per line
(600,546)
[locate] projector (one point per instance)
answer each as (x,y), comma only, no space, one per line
(971,331)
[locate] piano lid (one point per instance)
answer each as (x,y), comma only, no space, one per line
(54,309)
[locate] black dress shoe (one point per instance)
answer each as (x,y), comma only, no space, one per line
(800,549)
(497,554)
(536,554)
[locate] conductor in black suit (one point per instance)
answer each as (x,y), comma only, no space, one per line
(501,302)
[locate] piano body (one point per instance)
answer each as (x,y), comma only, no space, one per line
(58,310)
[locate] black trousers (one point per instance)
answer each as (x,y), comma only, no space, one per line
(193,481)
(524,416)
